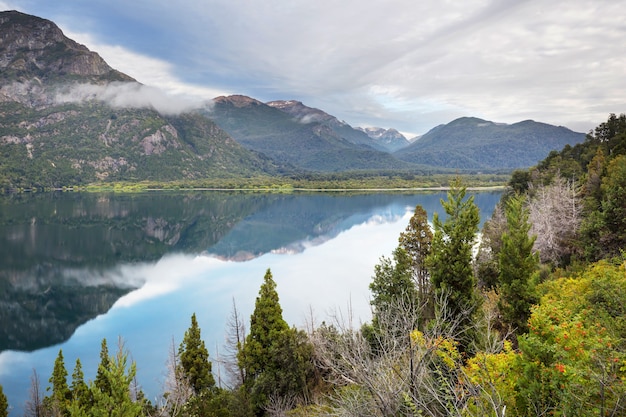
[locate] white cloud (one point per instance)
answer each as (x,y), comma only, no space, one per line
(127,94)
(406,64)
(153,72)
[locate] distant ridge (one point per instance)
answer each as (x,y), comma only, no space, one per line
(471,143)
(294,134)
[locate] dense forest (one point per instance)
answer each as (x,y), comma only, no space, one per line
(528,320)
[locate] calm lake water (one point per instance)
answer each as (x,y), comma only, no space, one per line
(76,268)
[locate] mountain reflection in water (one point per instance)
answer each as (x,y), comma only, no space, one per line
(138,265)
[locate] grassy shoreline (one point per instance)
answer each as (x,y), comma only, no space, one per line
(329,183)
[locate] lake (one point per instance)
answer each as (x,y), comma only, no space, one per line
(79,267)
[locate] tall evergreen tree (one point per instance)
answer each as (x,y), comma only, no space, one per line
(417,242)
(450,261)
(101,381)
(4,404)
(116,400)
(517,263)
(78,387)
(61,396)
(275,358)
(194,359)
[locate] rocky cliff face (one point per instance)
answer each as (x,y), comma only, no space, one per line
(68,118)
(31,47)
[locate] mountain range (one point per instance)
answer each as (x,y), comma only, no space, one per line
(67,118)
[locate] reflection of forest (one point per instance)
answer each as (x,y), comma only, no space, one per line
(58,252)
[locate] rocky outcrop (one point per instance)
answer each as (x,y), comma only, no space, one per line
(34,47)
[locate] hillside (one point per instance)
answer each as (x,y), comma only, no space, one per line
(313,146)
(306,115)
(62,121)
(476,144)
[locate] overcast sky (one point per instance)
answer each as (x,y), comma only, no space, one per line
(406,64)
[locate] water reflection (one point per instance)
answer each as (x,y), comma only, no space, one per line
(79,267)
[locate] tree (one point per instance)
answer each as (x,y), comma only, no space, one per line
(554,214)
(34,405)
(417,241)
(61,396)
(101,382)
(450,262)
(78,388)
(116,400)
(194,359)
(518,262)
(392,282)
(4,404)
(275,358)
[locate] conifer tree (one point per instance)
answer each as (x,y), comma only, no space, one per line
(101,381)
(517,263)
(393,286)
(116,400)
(58,402)
(276,359)
(4,404)
(450,260)
(194,359)
(78,388)
(417,241)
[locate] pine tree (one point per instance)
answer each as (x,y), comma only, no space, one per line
(101,382)
(194,359)
(116,400)
(517,264)
(4,404)
(450,261)
(79,389)
(58,402)
(417,242)
(276,359)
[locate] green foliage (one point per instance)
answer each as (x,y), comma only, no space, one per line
(450,262)
(116,401)
(517,264)
(417,241)
(276,359)
(194,359)
(574,357)
(78,388)
(102,382)
(61,395)
(4,404)
(393,289)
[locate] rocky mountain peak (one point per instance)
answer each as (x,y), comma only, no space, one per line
(237,100)
(32,47)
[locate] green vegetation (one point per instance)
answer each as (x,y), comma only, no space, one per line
(546,313)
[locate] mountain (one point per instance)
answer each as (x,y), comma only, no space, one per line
(67,118)
(390,139)
(302,142)
(306,115)
(470,143)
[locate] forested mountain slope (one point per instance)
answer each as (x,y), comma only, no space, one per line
(475,144)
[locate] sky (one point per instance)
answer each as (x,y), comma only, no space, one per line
(404,64)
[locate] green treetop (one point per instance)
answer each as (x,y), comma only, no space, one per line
(517,263)
(194,359)
(450,261)
(275,358)
(61,395)
(79,389)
